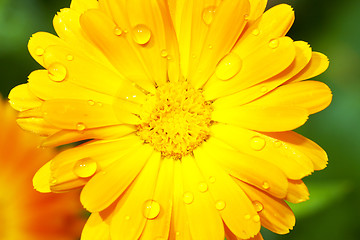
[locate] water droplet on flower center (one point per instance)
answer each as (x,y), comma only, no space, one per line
(151,209)
(257,143)
(208,14)
(141,34)
(220,205)
(57,72)
(188,197)
(85,167)
(228,67)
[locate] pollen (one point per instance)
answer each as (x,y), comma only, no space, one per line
(176,119)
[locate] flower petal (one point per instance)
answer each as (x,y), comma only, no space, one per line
(21,98)
(41,180)
(95,228)
(37,125)
(83,5)
(297,192)
(237,204)
(105,187)
(317,65)
(257,8)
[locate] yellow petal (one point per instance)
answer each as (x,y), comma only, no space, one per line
(100,29)
(21,98)
(270,60)
(95,228)
(37,125)
(297,192)
(204,219)
(159,226)
(41,180)
(257,8)
(105,187)
(129,220)
(275,214)
(229,20)
(259,145)
(252,170)
(83,5)
(317,65)
(224,190)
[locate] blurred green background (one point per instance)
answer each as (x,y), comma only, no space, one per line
(331,27)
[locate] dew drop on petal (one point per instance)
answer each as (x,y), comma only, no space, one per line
(212,179)
(246,17)
(80,126)
(208,14)
(247,216)
(57,72)
(228,66)
(117,31)
(39,51)
(85,167)
(53,180)
(277,144)
(258,206)
(151,209)
(127,218)
(220,205)
(203,187)
(256,218)
(210,46)
(188,197)
(274,43)
(255,32)
(263,89)
(257,143)
(163,53)
(70,57)
(91,102)
(266,185)
(141,34)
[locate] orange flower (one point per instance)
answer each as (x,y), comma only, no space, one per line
(188,109)
(25,213)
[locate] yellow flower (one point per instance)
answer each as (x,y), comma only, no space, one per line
(187,108)
(25,213)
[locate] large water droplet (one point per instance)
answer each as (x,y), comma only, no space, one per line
(257,143)
(188,197)
(57,72)
(141,34)
(203,187)
(274,43)
(258,206)
(85,167)
(151,209)
(117,31)
(228,67)
(39,51)
(208,14)
(220,205)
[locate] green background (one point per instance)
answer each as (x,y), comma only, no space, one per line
(331,27)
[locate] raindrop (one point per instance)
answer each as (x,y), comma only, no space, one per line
(210,46)
(39,51)
(70,57)
(203,187)
(91,102)
(212,179)
(277,144)
(274,43)
(220,205)
(80,126)
(246,17)
(117,31)
(53,180)
(141,34)
(57,72)
(163,53)
(263,89)
(266,185)
(85,167)
(257,143)
(228,67)
(151,209)
(247,216)
(258,206)
(188,198)
(256,32)
(208,14)
(256,218)
(99,104)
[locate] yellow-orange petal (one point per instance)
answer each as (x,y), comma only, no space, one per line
(297,192)
(250,169)
(275,214)
(95,228)
(37,125)
(128,219)
(199,206)
(41,180)
(21,98)
(83,5)
(257,8)
(224,190)
(106,186)
(317,65)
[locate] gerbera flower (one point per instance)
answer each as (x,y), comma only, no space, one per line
(188,108)
(25,213)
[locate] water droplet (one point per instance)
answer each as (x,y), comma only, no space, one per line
(117,31)
(256,218)
(274,43)
(193,56)
(210,46)
(70,57)
(188,198)
(228,67)
(256,32)
(141,34)
(263,89)
(163,53)
(277,144)
(258,206)
(203,187)
(257,143)
(208,14)
(220,205)
(247,216)
(80,126)
(212,179)
(127,218)
(246,17)
(57,72)
(39,51)
(91,102)
(266,185)
(100,104)
(151,209)
(53,180)
(85,167)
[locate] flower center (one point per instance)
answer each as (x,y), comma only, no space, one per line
(176,119)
